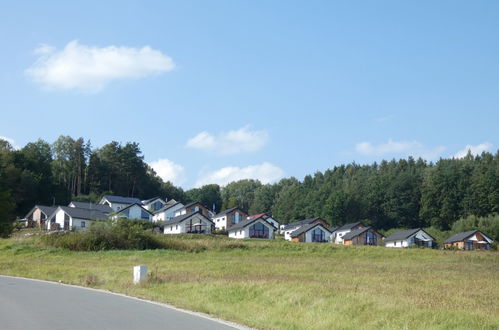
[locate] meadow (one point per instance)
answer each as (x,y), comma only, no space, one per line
(283,285)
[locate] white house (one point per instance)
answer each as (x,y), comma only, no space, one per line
(228,218)
(153,204)
(338,233)
(291,227)
(409,238)
(190,223)
(67,218)
(118,202)
(267,218)
(104,208)
(252,228)
(133,211)
(167,212)
(314,232)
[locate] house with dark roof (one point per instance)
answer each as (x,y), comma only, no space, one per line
(132,211)
(153,204)
(194,207)
(119,202)
(468,240)
(338,233)
(310,233)
(104,208)
(189,223)
(289,228)
(73,218)
(267,218)
(252,228)
(363,236)
(228,218)
(38,215)
(410,238)
(167,212)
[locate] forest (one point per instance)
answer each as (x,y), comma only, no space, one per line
(404,193)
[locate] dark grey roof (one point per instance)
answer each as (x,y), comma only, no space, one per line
(306,228)
(247,222)
(87,214)
(90,206)
(461,236)
(129,206)
(47,210)
(122,200)
(354,233)
(147,201)
(300,223)
(225,212)
(404,234)
(349,226)
(166,207)
(184,217)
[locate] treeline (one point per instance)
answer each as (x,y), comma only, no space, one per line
(406,193)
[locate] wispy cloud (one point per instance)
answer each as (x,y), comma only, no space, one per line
(169,171)
(265,172)
(475,150)
(405,148)
(231,142)
(90,69)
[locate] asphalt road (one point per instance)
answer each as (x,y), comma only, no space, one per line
(30,304)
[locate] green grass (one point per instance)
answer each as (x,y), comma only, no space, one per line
(284,285)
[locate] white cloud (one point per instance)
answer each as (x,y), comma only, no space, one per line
(231,142)
(169,171)
(407,148)
(90,69)
(265,172)
(11,141)
(475,150)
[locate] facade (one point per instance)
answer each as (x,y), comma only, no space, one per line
(468,240)
(38,215)
(153,204)
(194,207)
(118,203)
(363,236)
(72,218)
(252,228)
(190,223)
(228,218)
(409,238)
(104,208)
(267,218)
(311,233)
(133,211)
(291,227)
(167,212)
(338,233)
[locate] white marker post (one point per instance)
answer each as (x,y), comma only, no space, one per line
(139,274)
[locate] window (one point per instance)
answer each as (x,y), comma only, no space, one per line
(370,238)
(196,209)
(171,228)
(469,245)
(144,215)
(83,224)
(258,230)
(318,235)
(218,220)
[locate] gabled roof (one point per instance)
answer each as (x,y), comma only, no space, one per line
(193,203)
(221,214)
(300,223)
(121,199)
(90,206)
(171,202)
(247,222)
(257,216)
(307,227)
(47,210)
(147,201)
(86,214)
(166,207)
(184,217)
(349,226)
(355,233)
(404,234)
(464,235)
(129,206)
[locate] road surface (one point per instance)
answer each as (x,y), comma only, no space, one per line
(31,304)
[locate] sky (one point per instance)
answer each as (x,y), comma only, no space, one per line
(216,91)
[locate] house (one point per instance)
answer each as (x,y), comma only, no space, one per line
(363,236)
(228,218)
(118,202)
(153,204)
(313,232)
(252,228)
(194,207)
(189,223)
(267,218)
(338,233)
(38,215)
(132,211)
(409,238)
(67,218)
(468,240)
(290,227)
(167,212)
(104,208)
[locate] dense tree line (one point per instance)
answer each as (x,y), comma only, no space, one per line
(406,193)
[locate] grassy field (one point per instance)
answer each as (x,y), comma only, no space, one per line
(283,285)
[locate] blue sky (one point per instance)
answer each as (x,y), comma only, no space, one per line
(221,90)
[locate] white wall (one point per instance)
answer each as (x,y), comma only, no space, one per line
(220,222)
(167,214)
(244,232)
(397,244)
(339,236)
(288,232)
(176,228)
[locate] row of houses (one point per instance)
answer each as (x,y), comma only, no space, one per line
(176,218)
